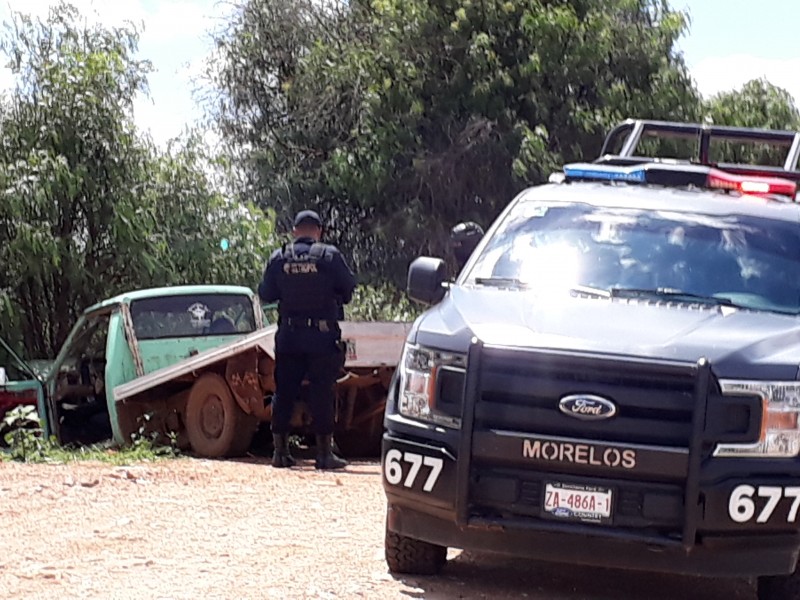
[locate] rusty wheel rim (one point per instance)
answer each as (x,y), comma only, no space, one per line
(212,417)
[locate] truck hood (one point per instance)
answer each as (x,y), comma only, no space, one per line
(739,343)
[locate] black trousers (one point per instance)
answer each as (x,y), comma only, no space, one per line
(290,371)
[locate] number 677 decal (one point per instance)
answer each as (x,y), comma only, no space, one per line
(742,506)
(394,461)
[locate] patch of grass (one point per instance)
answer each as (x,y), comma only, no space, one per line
(26,443)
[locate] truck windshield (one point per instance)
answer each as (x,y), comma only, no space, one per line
(192,316)
(740,260)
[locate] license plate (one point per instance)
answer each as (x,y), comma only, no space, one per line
(578,502)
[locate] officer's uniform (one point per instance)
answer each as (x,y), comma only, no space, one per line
(310,281)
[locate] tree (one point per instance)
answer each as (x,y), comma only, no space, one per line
(90,208)
(757,104)
(401,117)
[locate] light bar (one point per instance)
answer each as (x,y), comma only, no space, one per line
(751,185)
(678,175)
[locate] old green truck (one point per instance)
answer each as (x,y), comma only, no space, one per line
(195,365)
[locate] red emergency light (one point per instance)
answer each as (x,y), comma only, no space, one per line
(754,185)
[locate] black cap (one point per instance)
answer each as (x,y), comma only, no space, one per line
(307,217)
(465,232)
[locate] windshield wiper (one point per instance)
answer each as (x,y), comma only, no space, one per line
(585,290)
(501,282)
(672,294)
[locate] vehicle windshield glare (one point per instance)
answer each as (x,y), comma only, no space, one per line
(741,260)
(192,316)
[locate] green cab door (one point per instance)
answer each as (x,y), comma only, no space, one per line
(20,384)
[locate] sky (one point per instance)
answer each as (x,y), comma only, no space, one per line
(729,43)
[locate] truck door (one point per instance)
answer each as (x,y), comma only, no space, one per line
(19,383)
(77,383)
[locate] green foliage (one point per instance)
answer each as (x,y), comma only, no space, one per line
(26,443)
(399,118)
(90,208)
(382,302)
(757,104)
(395,118)
(23,435)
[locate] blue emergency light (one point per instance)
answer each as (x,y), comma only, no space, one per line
(589,171)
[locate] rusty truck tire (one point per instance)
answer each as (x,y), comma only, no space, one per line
(413,557)
(215,424)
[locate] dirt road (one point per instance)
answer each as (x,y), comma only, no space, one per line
(210,529)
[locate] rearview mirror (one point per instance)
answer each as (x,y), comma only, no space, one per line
(426,277)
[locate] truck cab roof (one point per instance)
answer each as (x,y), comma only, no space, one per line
(160,292)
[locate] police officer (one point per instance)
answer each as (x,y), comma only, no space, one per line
(310,281)
(464,237)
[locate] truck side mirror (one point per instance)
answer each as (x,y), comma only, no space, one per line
(426,277)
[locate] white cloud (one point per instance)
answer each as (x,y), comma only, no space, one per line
(109,13)
(724,73)
(175,39)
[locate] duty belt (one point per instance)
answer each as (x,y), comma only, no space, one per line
(323,325)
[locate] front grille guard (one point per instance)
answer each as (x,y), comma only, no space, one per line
(701,372)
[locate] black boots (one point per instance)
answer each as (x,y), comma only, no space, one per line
(281,458)
(326,459)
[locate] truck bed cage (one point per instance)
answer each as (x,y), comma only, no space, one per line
(629,133)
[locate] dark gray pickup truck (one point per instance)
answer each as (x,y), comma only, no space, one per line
(612,378)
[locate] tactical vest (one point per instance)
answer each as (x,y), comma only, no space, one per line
(305,286)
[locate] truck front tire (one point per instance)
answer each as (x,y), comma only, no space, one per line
(215,424)
(413,557)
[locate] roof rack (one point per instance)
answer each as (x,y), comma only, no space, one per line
(629,133)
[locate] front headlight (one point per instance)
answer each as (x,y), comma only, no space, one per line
(780,434)
(420,371)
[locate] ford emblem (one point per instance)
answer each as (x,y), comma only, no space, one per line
(587,407)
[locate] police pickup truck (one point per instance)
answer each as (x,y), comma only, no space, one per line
(613,377)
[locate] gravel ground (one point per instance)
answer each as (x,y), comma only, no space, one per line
(191,528)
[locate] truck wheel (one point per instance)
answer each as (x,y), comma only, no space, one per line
(786,587)
(215,424)
(363,442)
(248,425)
(415,557)
(358,443)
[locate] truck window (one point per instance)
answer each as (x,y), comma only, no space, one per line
(192,316)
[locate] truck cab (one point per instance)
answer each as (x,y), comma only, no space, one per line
(613,379)
(119,340)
